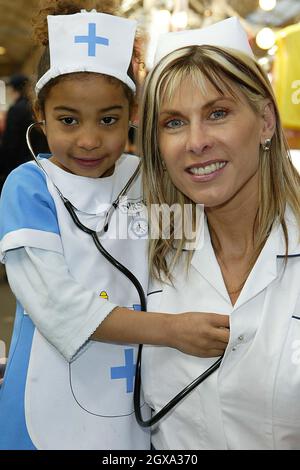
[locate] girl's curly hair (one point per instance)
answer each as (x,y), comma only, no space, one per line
(66,7)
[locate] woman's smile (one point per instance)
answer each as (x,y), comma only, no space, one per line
(206,171)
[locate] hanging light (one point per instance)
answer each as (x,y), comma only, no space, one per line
(267,5)
(265,38)
(161,19)
(179,20)
(159,23)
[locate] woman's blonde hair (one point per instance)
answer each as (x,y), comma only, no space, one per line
(225,69)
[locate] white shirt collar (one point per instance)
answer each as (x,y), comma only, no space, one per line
(265,269)
(89,195)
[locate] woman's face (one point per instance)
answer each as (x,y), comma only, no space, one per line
(210,144)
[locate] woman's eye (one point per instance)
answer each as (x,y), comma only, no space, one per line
(69,121)
(174,123)
(218,114)
(108,120)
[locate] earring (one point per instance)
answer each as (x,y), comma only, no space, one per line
(266,145)
(132,125)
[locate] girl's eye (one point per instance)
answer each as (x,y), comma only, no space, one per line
(218,114)
(108,120)
(174,124)
(69,121)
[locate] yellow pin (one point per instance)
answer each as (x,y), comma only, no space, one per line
(103,295)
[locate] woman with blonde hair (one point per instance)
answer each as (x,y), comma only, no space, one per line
(70,373)
(211,135)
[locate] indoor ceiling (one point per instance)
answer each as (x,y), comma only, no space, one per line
(15,33)
(16,17)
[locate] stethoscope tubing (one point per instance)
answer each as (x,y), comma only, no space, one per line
(174,401)
(137,385)
(107,255)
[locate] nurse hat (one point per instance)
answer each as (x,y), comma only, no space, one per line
(227,33)
(89,42)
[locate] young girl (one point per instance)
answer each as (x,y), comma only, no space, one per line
(61,391)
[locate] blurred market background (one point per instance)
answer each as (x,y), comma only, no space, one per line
(273,29)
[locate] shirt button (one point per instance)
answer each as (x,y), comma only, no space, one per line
(234,348)
(241,338)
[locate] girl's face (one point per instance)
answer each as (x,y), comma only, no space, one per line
(87,122)
(210,144)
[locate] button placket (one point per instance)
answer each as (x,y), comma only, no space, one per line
(237,342)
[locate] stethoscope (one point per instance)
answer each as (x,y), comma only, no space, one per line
(95,236)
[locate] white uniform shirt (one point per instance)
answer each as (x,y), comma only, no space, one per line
(252,401)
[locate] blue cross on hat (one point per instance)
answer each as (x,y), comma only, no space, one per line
(92,40)
(89,42)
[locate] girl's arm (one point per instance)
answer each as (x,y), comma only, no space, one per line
(195,333)
(67,315)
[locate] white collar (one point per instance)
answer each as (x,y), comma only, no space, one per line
(265,269)
(89,195)
(293,236)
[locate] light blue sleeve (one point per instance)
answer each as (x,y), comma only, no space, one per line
(64,312)
(27,212)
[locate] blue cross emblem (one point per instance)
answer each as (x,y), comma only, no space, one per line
(91,39)
(125,372)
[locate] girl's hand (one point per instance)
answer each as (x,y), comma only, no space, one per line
(200,334)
